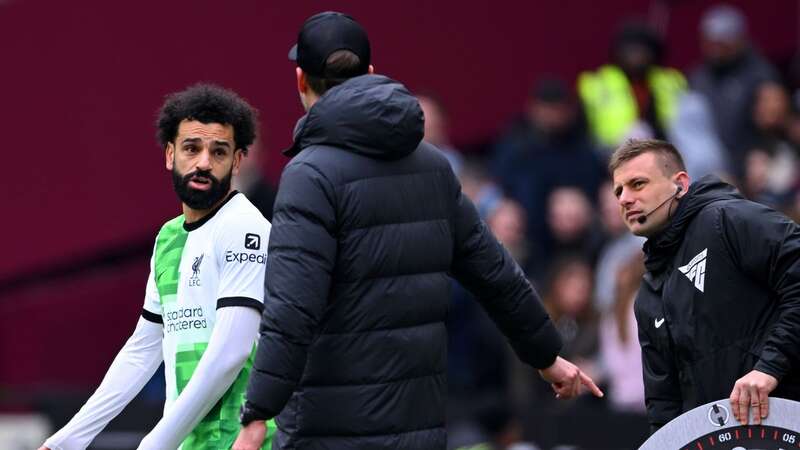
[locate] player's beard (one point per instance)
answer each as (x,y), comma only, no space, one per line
(197,199)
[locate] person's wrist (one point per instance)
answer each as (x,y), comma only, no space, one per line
(550,366)
(248,414)
(769,369)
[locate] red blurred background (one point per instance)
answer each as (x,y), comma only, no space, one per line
(85,180)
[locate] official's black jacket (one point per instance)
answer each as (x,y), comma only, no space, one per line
(721,297)
(368,224)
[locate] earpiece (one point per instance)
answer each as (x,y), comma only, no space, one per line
(642,219)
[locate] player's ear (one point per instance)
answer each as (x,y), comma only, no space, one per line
(238,154)
(169,154)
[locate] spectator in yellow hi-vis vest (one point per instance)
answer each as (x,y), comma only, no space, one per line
(632,96)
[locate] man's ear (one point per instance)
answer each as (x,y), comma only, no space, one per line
(238,154)
(302,84)
(170,155)
(682,179)
(371,69)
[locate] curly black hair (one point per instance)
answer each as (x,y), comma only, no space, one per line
(207,103)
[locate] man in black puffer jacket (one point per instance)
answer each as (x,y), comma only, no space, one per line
(719,309)
(368,225)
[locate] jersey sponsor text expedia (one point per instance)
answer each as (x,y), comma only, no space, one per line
(243,257)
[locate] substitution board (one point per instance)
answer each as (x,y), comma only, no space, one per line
(713,427)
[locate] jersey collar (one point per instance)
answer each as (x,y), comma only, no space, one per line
(199,223)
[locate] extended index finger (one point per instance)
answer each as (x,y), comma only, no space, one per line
(589,383)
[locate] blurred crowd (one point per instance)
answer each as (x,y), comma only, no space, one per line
(542,187)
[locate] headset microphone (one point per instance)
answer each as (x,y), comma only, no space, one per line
(643,218)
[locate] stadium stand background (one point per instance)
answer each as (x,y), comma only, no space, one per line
(84,188)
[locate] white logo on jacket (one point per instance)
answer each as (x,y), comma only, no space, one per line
(696,270)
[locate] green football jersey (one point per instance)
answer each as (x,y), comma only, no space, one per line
(197,268)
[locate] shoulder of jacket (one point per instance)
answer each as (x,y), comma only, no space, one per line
(312,153)
(428,150)
(736,208)
(316,158)
(606,70)
(316,162)
(714,219)
(705,220)
(671,71)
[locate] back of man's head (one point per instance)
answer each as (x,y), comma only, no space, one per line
(331,48)
(340,66)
